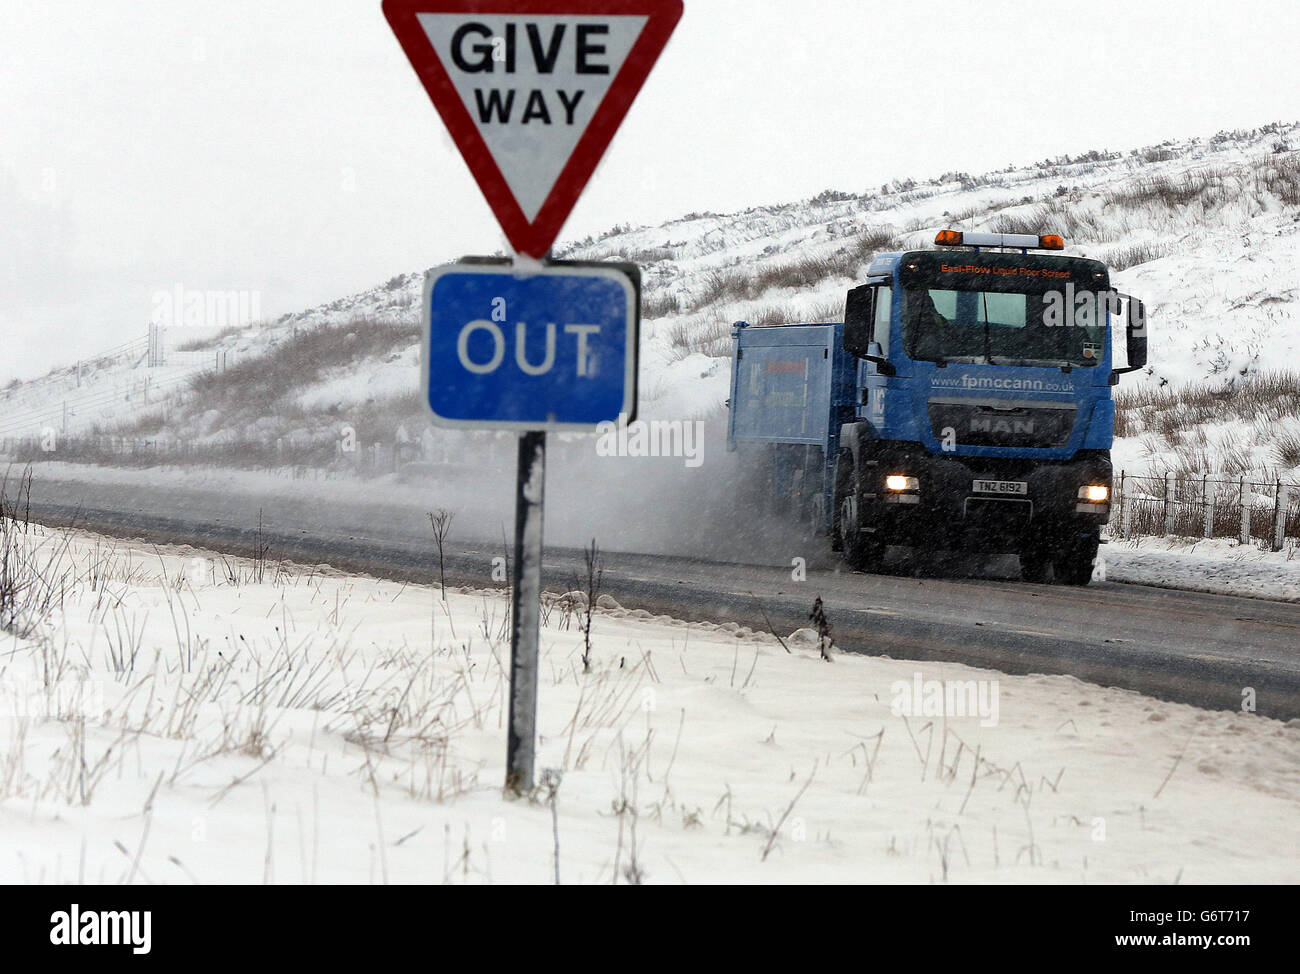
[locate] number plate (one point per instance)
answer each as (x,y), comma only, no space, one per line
(1000,487)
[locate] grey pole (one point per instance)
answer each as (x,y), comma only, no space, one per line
(529,494)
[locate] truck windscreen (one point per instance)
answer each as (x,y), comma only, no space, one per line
(1003,309)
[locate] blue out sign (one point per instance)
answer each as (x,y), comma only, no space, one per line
(551,348)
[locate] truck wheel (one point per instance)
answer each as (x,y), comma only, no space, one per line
(861,550)
(1075,567)
(1034,565)
(843,478)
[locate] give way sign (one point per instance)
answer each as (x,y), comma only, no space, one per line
(532,92)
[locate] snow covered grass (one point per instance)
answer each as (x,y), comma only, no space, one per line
(1173,192)
(746,283)
(180,716)
(1239,426)
(269,385)
(32,575)
(1270,395)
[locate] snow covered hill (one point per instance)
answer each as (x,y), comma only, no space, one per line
(1206,230)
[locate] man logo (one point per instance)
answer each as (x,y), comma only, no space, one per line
(990,425)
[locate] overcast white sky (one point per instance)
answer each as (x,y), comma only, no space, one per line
(286,147)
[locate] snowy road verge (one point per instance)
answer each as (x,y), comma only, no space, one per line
(1218,566)
(182,716)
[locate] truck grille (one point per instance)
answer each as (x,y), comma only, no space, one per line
(993,422)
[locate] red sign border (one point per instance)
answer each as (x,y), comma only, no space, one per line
(533,238)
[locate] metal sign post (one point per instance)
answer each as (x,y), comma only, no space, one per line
(548,347)
(530,491)
(532,92)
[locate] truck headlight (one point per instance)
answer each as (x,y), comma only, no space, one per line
(1094,493)
(898,482)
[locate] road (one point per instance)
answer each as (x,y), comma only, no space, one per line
(1184,646)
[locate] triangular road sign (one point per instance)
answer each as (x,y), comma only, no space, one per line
(532,92)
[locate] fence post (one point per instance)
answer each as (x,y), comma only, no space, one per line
(1122,503)
(1279,516)
(1169,503)
(1128,515)
(1209,497)
(1245,512)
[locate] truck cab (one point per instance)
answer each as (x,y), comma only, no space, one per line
(968,404)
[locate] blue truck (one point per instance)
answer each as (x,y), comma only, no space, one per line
(964,403)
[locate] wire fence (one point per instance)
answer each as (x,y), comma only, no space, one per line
(50,404)
(1211,506)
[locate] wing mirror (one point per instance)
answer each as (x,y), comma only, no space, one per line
(1135,334)
(859,328)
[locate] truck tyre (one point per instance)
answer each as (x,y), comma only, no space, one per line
(1074,567)
(861,551)
(843,478)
